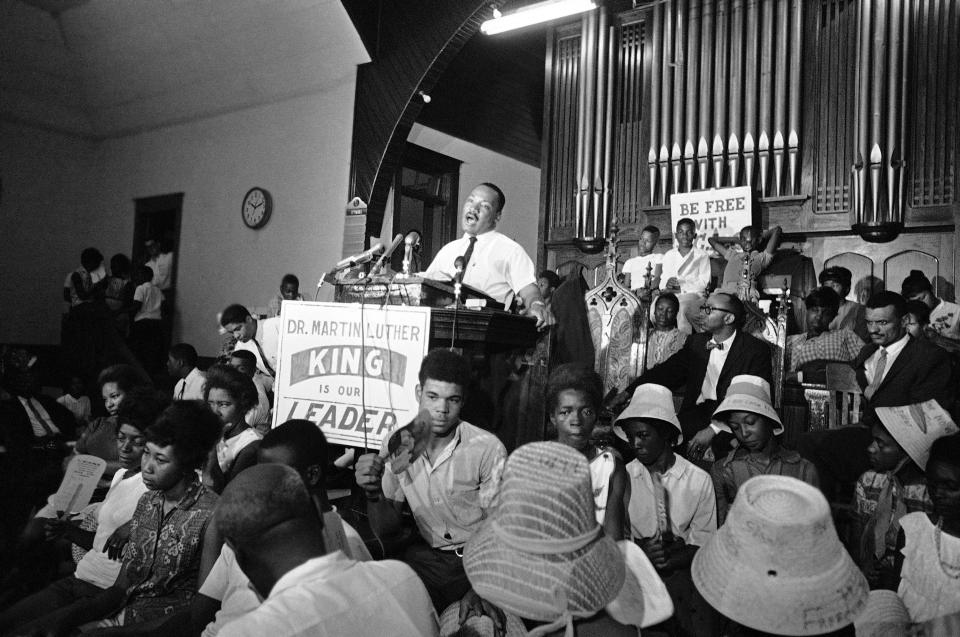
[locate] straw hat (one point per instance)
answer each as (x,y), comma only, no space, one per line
(481,626)
(541,554)
(749,393)
(915,427)
(650,401)
(884,616)
(777,564)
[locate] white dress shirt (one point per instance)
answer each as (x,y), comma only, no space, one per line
(893,350)
(259,414)
(692,502)
(718,356)
(334,596)
(691,271)
(191,387)
(268,336)
(497,266)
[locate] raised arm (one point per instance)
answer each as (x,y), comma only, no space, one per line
(773,239)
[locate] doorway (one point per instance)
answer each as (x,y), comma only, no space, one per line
(158,218)
(426,190)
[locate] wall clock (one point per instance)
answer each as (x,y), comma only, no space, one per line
(256,208)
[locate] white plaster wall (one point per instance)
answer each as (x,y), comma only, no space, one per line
(520,182)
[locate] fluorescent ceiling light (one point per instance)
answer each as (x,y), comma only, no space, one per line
(535,14)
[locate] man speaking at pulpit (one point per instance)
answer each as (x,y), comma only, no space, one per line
(491,262)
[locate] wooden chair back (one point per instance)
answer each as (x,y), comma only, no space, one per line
(836,404)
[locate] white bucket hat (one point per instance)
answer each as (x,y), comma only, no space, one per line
(541,554)
(915,427)
(777,564)
(884,616)
(749,393)
(650,401)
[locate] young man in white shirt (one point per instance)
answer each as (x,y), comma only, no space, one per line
(260,336)
(686,273)
(182,364)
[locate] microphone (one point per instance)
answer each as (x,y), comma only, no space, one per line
(357,259)
(378,266)
(458,264)
(412,239)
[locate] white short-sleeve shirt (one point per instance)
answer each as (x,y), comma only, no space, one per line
(498,264)
(692,502)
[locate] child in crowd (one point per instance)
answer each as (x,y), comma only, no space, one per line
(850,315)
(944,315)
(673,507)
(574,394)
(685,271)
(918,319)
(146,335)
(548,281)
(259,415)
(158,574)
(75,400)
(750,241)
(930,572)
(230,395)
(894,487)
(635,268)
(182,365)
(99,567)
(748,411)
(289,291)
(666,339)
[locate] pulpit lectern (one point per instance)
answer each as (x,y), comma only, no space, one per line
(510,358)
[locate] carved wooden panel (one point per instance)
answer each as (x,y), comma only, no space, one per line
(897,267)
(834,32)
(933,131)
(861,267)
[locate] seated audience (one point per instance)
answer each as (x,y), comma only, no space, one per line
(944,315)
(851,315)
(99,437)
(449,488)
(542,562)
(76,400)
(158,575)
(635,268)
(548,282)
(750,240)
(893,370)
(182,365)
(673,507)
(930,541)
(259,415)
(146,335)
(289,291)
(574,394)
(748,412)
(99,567)
(918,319)
(666,339)
(820,343)
(230,395)
(268,518)
(225,592)
(704,367)
(893,487)
(258,336)
(777,566)
(685,271)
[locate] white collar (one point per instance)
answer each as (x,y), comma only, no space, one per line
(896,347)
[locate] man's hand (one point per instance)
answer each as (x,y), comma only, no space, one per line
(656,552)
(472,605)
(672,283)
(117,540)
(369,473)
(701,442)
(544,316)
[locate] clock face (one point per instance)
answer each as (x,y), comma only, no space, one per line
(256,209)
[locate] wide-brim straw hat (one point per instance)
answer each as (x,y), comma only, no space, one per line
(650,401)
(884,616)
(777,564)
(749,393)
(541,554)
(915,427)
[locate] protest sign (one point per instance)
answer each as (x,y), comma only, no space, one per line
(722,211)
(79,483)
(350,368)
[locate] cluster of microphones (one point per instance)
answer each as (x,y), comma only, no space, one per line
(379,252)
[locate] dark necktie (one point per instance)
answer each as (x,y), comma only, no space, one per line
(877,375)
(263,357)
(714,345)
(469,253)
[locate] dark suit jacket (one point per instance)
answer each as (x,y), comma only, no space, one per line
(687,368)
(15,430)
(922,371)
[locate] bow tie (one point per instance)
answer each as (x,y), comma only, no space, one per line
(714,345)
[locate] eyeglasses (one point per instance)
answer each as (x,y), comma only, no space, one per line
(709,309)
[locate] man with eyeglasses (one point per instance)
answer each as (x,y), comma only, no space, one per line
(704,368)
(893,370)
